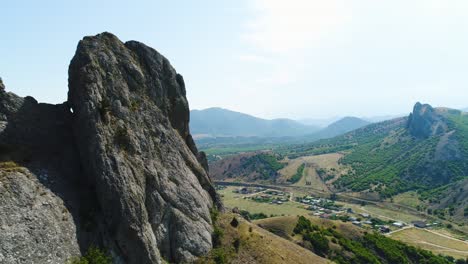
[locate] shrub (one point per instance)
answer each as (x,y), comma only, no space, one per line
(236,244)
(234,222)
(121,137)
(319,242)
(104,108)
(214,213)
(94,255)
(217,236)
(219,255)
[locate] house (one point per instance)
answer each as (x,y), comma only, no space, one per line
(357,223)
(244,190)
(384,229)
(365,215)
(419,224)
(368,222)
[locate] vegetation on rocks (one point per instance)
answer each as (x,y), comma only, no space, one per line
(94,255)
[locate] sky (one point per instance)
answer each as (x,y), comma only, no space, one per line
(296,59)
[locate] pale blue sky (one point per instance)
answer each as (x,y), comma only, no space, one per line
(270,58)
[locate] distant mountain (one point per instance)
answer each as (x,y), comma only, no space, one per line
(319,122)
(219,122)
(341,126)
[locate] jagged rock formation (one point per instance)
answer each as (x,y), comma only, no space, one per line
(115,165)
(38,182)
(425,122)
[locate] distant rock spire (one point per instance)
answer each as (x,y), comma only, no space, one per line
(425,121)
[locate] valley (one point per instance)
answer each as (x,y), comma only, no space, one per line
(391,178)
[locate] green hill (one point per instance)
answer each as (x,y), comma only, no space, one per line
(426,150)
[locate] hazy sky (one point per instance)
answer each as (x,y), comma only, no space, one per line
(270,58)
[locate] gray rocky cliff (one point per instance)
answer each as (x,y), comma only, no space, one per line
(425,122)
(115,166)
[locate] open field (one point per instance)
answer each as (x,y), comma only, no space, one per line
(310,175)
(232,200)
(384,214)
(327,162)
(433,241)
(408,198)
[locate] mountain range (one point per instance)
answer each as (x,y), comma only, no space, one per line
(222,123)
(219,122)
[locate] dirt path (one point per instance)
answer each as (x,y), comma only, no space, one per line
(381,216)
(398,230)
(252,194)
(444,248)
(449,237)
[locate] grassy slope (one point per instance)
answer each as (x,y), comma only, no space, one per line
(284,227)
(432,241)
(257,245)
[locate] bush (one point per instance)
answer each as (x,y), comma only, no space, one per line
(234,222)
(94,255)
(319,242)
(214,214)
(104,108)
(217,236)
(121,137)
(219,255)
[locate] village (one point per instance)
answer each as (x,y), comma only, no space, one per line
(325,208)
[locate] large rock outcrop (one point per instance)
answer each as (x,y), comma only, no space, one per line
(425,122)
(114,166)
(40,192)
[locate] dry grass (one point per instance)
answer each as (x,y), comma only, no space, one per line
(311,175)
(325,161)
(7,167)
(408,198)
(437,243)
